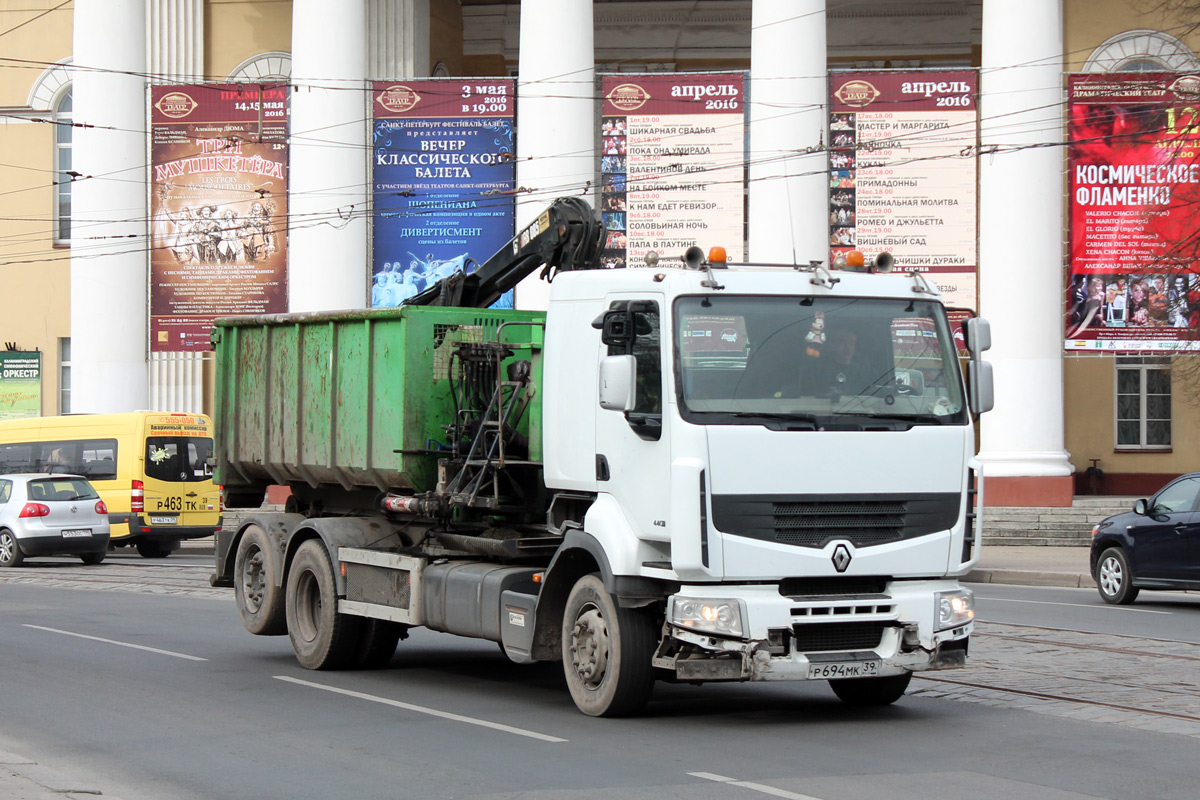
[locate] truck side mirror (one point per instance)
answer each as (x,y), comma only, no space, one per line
(979,336)
(618,382)
(982,388)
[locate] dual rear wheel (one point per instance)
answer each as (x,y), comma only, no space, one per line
(322,637)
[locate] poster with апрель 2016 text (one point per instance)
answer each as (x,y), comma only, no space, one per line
(903,172)
(443,174)
(672,165)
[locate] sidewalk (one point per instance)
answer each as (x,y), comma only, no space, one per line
(1025,565)
(25,779)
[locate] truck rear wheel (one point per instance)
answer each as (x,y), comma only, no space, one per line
(606,652)
(321,637)
(377,642)
(864,692)
(259,599)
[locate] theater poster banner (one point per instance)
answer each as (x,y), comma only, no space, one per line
(218,208)
(444,174)
(20,385)
(903,172)
(673,165)
(1134,166)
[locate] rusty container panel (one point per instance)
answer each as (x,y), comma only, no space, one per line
(330,399)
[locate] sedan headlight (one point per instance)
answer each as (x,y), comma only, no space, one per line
(955,608)
(707,615)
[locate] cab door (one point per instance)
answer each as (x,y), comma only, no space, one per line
(633,448)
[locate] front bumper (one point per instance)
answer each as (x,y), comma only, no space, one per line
(787,637)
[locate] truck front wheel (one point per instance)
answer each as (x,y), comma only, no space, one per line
(606,652)
(259,600)
(864,692)
(321,637)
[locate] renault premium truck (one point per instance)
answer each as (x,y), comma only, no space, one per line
(692,473)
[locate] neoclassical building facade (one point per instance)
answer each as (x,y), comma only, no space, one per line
(76,204)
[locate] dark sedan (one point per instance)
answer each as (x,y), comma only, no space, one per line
(1154,546)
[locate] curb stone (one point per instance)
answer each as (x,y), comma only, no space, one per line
(1018,577)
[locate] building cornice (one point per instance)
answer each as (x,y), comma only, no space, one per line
(669,32)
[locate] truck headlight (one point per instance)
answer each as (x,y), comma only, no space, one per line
(708,615)
(954,608)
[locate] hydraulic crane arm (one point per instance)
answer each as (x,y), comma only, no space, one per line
(567,235)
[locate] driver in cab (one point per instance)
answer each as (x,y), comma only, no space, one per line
(838,370)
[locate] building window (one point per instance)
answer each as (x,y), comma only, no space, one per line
(1143,417)
(62,168)
(64,376)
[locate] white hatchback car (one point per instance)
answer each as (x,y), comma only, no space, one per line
(48,515)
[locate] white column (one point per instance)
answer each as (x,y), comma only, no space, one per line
(556,115)
(175,44)
(789,104)
(175,41)
(108,207)
(398,31)
(328,176)
(1020,249)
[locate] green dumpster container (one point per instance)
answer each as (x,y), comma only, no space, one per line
(329,399)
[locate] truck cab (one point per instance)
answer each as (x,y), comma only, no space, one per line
(795,454)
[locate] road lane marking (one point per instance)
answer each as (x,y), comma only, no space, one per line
(756,787)
(433,712)
(1073,605)
(121,644)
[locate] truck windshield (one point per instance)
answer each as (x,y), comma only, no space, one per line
(816,362)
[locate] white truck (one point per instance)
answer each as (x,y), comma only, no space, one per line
(674,473)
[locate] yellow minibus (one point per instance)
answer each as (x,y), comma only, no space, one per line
(152,470)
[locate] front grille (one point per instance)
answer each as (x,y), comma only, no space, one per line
(821,587)
(815,520)
(838,636)
(377,585)
(862,523)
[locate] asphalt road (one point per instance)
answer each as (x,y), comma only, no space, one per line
(144,685)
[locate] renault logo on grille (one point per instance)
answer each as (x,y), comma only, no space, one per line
(841,557)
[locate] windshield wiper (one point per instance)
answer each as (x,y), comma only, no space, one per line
(909,418)
(777,416)
(773,415)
